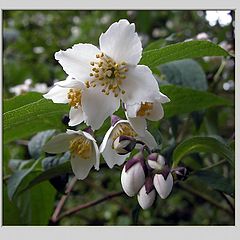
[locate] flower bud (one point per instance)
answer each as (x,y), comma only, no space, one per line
(163,184)
(133,175)
(180,173)
(156,161)
(124,144)
(147,194)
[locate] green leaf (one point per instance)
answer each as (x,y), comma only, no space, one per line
(186,100)
(36,204)
(31,118)
(10,211)
(213,180)
(21,100)
(6,157)
(16,179)
(50,173)
(37,142)
(155,45)
(173,52)
(186,73)
(202,144)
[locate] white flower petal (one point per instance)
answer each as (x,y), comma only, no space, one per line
(110,155)
(97,156)
(70,83)
(76,116)
(164,98)
(149,140)
(87,135)
(81,167)
(59,143)
(146,200)
(121,43)
(97,106)
(163,187)
(108,133)
(138,124)
(133,179)
(140,86)
(157,112)
(57,94)
(105,139)
(76,60)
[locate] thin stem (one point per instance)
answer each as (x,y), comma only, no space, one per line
(183,130)
(89,204)
(228,202)
(215,164)
(204,197)
(62,201)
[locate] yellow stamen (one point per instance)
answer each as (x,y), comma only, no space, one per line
(81,146)
(108,74)
(123,129)
(74,96)
(145,109)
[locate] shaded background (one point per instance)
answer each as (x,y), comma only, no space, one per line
(30,39)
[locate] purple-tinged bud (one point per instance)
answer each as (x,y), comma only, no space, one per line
(114,119)
(180,173)
(124,144)
(163,184)
(133,175)
(156,161)
(147,194)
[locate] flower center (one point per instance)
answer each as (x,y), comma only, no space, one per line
(108,74)
(123,129)
(81,146)
(145,109)
(74,96)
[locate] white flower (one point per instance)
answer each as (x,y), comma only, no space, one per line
(83,148)
(79,97)
(163,184)
(139,112)
(133,175)
(121,128)
(145,199)
(110,72)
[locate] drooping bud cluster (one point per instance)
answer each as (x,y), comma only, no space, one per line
(145,177)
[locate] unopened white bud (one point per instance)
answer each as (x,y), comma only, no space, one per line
(162,185)
(132,179)
(145,199)
(156,161)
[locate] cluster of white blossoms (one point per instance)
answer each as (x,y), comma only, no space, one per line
(99,81)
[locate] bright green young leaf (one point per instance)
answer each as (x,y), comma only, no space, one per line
(202,144)
(173,52)
(36,204)
(186,100)
(186,73)
(31,118)
(213,180)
